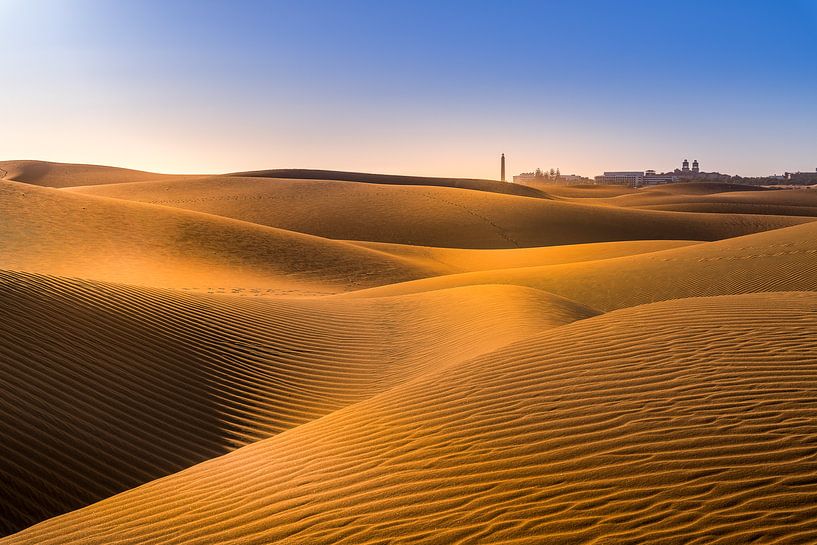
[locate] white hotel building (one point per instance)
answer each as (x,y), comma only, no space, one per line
(635,178)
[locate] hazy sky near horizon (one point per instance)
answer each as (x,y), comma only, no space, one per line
(414,87)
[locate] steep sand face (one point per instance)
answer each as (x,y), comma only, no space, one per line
(781,260)
(54,232)
(431,216)
(679,422)
(105,386)
(45,173)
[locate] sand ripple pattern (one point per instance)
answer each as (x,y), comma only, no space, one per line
(105,386)
(689,421)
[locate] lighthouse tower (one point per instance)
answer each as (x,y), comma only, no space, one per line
(502,167)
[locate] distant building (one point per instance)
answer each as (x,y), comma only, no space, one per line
(573,179)
(502,167)
(631,178)
(802,177)
(651,178)
(635,178)
(552,177)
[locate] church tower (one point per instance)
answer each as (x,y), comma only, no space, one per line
(695,167)
(685,166)
(502,167)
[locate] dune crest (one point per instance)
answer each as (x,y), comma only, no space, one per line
(49,174)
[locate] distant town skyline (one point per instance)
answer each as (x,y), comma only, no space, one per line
(423,88)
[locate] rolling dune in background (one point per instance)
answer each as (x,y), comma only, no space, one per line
(302,356)
(779,260)
(430,216)
(48,174)
(54,232)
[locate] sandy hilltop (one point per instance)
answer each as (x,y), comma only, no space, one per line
(297,356)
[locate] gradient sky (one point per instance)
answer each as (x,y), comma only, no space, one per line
(429,88)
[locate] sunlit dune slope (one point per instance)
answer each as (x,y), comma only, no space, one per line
(580,191)
(795,202)
(50,174)
(106,386)
(781,260)
(454,260)
(430,216)
(56,232)
(687,421)
(700,188)
(493,186)
(735,208)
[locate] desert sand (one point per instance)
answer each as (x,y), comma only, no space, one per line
(316,357)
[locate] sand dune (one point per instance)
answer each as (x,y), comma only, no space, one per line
(589,191)
(430,216)
(50,174)
(455,260)
(107,386)
(780,260)
(55,232)
(492,186)
(795,202)
(701,188)
(680,422)
(421,360)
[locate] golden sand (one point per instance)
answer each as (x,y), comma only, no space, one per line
(245,359)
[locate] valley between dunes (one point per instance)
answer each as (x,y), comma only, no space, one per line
(293,356)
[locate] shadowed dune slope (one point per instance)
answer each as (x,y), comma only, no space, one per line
(106,386)
(454,260)
(430,216)
(57,232)
(781,260)
(702,188)
(580,191)
(795,202)
(45,173)
(735,208)
(492,186)
(680,422)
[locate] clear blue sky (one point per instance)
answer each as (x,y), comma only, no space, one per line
(433,88)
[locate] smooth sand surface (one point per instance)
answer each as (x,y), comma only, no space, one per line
(780,260)
(223,359)
(454,260)
(55,232)
(431,216)
(48,174)
(492,186)
(791,202)
(679,422)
